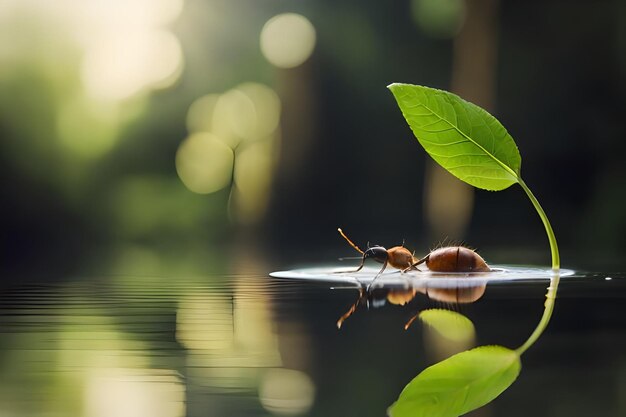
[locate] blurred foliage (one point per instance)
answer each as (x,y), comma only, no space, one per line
(96,104)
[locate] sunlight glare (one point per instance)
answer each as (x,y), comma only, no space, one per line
(121,66)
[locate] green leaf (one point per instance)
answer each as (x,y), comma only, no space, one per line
(459,384)
(449,324)
(463,138)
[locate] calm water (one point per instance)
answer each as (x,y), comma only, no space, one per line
(251,345)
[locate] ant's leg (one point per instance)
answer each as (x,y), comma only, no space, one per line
(411,320)
(377,275)
(411,268)
(421,261)
(350,310)
(407,279)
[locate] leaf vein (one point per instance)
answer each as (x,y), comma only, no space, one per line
(502,164)
(444,144)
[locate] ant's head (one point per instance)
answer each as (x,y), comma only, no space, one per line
(378,253)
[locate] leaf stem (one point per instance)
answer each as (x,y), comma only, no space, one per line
(554,249)
(554,281)
(545,318)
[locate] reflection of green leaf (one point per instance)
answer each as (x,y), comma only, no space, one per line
(460,136)
(449,324)
(459,384)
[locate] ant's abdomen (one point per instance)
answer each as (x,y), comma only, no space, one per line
(456,259)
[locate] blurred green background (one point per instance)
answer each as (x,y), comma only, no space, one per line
(171,136)
(160,157)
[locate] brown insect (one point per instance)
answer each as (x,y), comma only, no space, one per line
(398,257)
(446,259)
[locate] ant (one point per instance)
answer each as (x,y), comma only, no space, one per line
(398,257)
(445,259)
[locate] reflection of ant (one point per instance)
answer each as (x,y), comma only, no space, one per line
(378,297)
(446,259)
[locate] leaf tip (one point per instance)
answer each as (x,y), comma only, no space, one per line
(395,86)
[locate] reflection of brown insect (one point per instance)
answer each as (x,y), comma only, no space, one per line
(402,296)
(378,298)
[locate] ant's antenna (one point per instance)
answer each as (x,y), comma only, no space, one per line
(349,241)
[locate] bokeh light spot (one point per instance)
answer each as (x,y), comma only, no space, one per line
(200,113)
(267,108)
(249,112)
(245,118)
(286,392)
(204,163)
(253,175)
(234,117)
(287,40)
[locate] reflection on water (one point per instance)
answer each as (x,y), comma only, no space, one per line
(461,383)
(252,345)
(402,293)
(228,338)
(446,333)
(143,349)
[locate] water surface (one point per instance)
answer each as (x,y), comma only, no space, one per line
(253,345)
